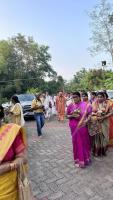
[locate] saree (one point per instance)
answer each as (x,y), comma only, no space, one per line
(60,107)
(80,136)
(12,141)
(17,117)
(101,138)
(110,144)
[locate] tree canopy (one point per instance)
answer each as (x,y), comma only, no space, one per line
(101,21)
(91,80)
(25,64)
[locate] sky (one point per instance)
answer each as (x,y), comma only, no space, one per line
(63,25)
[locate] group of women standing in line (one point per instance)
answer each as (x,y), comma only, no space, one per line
(90,122)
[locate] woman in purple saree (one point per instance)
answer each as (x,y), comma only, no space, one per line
(77,112)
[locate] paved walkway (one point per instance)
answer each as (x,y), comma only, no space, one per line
(52,171)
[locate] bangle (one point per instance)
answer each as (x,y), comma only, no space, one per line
(12,166)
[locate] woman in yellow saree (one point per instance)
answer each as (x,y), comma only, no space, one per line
(12,154)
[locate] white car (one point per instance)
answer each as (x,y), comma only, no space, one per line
(110,93)
(26,100)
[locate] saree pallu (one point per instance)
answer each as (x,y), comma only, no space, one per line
(8,181)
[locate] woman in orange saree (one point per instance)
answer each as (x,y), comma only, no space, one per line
(12,154)
(60,106)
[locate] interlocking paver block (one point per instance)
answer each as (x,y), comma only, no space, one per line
(52,171)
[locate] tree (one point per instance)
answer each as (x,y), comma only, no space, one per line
(90,80)
(54,85)
(32,58)
(102,29)
(24,64)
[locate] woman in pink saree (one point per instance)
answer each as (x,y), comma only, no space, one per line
(77,113)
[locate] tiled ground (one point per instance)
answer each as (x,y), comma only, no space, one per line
(52,171)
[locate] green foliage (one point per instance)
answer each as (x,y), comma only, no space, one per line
(3,100)
(91,80)
(109,80)
(24,66)
(33,90)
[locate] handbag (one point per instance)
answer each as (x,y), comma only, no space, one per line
(24,189)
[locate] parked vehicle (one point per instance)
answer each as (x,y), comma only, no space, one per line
(110,94)
(26,100)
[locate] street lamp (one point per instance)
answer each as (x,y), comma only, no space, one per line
(104,63)
(111,19)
